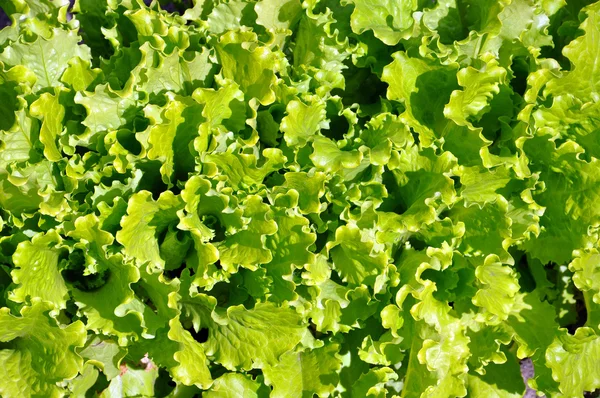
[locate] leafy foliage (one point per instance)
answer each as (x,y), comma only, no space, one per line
(355,198)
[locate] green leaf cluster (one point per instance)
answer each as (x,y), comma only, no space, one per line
(345,198)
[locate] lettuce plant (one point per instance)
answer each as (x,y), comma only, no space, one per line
(347,198)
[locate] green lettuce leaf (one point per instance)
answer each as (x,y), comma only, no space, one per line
(309,372)
(37,271)
(37,353)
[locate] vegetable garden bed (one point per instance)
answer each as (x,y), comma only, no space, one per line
(291,198)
